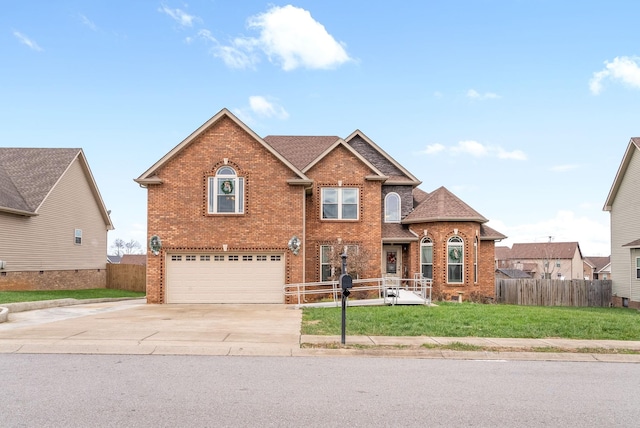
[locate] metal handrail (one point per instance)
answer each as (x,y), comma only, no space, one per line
(422,287)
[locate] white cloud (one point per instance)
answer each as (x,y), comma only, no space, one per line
(180,16)
(515,155)
(624,69)
(27,41)
(87,22)
(262,107)
(475,149)
(470,147)
(290,36)
(475,95)
(592,236)
(433,149)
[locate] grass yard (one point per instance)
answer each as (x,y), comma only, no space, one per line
(476,320)
(94,293)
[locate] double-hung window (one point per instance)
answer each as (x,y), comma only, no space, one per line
(325,263)
(226,192)
(340,203)
(426,258)
(637,267)
(455,259)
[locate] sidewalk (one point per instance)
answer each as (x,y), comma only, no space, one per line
(135,327)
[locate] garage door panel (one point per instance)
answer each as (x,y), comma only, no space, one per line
(223,278)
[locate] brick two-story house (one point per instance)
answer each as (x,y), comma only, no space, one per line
(234,217)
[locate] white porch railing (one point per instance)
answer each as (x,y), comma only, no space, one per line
(387,289)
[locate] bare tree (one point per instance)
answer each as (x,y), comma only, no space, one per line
(132,247)
(119,246)
(358,258)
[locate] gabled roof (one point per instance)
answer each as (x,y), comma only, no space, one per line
(544,250)
(28,175)
(300,150)
(150,177)
(405,178)
(442,205)
(309,151)
(597,262)
(634,145)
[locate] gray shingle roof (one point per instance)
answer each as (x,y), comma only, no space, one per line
(27,175)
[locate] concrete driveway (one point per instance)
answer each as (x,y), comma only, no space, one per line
(134,327)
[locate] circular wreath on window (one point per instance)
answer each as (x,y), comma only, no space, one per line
(455,254)
(226,187)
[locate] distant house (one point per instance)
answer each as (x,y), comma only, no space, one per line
(134,259)
(597,268)
(548,260)
(113,259)
(622,203)
(502,256)
(237,216)
(511,274)
(53,222)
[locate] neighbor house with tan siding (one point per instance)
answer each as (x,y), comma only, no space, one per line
(53,221)
(236,217)
(623,203)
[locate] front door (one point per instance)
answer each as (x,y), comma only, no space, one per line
(392,261)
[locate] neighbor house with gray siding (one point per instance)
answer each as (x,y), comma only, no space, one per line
(623,204)
(53,221)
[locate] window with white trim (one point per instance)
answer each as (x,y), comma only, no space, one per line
(475,261)
(226,192)
(77,234)
(325,263)
(340,203)
(426,258)
(637,267)
(392,208)
(455,259)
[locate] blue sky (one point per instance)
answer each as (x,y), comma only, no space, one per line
(522,108)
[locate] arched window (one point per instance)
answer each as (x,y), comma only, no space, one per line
(475,261)
(226,192)
(426,258)
(392,208)
(455,259)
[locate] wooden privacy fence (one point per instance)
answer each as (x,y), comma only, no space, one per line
(553,292)
(127,277)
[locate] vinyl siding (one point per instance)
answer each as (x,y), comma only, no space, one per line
(625,227)
(46,241)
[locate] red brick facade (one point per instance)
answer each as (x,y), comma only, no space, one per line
(282,201)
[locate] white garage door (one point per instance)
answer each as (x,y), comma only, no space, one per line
(225,278)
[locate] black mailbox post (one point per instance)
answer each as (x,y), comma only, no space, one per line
(346,283)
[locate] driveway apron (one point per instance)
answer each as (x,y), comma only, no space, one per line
(134,327)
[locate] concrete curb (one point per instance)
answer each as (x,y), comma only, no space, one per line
(7,308)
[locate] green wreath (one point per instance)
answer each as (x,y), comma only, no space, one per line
(455,254)
(226,187)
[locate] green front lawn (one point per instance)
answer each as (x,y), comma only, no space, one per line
(476,320)
(95,293)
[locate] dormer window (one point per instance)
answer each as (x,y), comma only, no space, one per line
(392,208)
(226,192)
